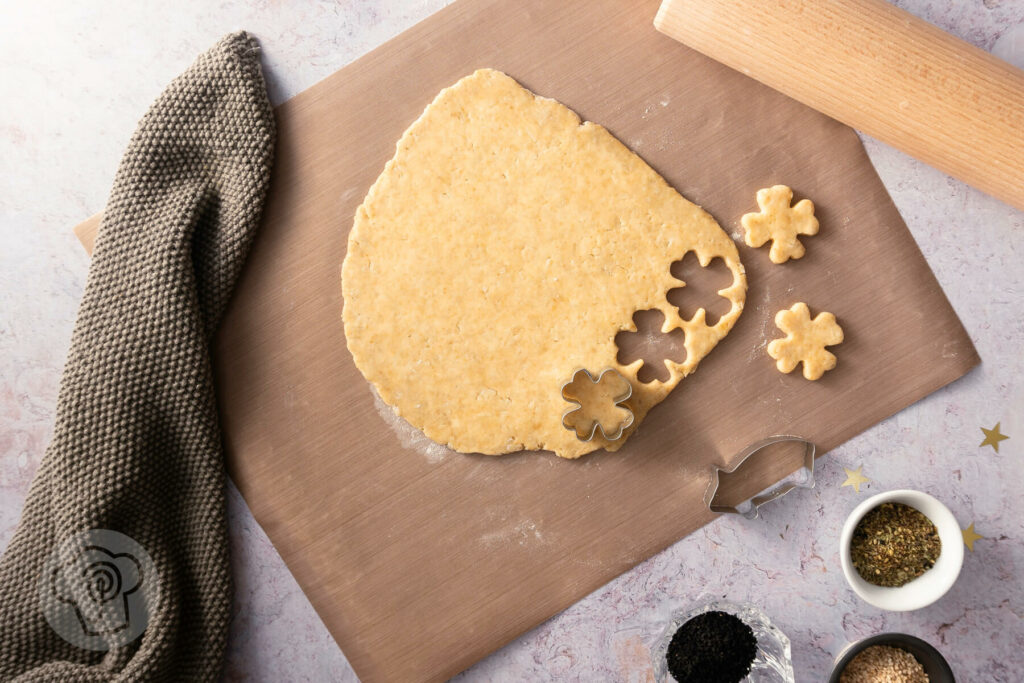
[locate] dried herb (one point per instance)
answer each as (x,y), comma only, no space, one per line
(713,647)
(894,544)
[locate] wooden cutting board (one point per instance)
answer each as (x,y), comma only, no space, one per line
(422,561)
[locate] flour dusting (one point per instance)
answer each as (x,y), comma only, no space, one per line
(524,533)
(410,437)
(767,318)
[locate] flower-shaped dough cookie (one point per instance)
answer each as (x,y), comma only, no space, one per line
(805,341)
(780,223)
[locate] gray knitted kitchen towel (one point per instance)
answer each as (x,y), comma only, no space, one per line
(119,567)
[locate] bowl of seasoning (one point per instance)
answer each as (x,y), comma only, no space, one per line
(901,550)
(722,642)
(891,657)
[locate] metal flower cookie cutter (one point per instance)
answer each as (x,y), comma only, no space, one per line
(587,420)
(802,478)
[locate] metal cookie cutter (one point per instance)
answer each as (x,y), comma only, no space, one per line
(587,427)
(802,478)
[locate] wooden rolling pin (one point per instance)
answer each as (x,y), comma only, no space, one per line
(878,69)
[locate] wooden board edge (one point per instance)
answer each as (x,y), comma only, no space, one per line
(86,232)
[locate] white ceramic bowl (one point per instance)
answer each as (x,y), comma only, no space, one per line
(930,586)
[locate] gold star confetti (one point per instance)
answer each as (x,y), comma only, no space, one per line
(854,478)
(970,536)
(993,437)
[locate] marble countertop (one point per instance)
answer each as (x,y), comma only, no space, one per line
(76,76)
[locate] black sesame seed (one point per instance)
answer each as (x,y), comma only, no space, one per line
(713,647)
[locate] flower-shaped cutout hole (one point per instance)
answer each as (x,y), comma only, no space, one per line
(701,287)
(651,345)
(600,404)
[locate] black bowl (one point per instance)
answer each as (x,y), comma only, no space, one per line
(934,664)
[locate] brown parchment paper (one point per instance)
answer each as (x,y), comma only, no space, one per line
(421,561)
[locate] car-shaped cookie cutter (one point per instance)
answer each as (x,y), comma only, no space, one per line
(619,401)
(802,478)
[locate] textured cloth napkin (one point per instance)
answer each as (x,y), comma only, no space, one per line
(125,519)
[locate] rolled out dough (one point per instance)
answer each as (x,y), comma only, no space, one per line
(502,248)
